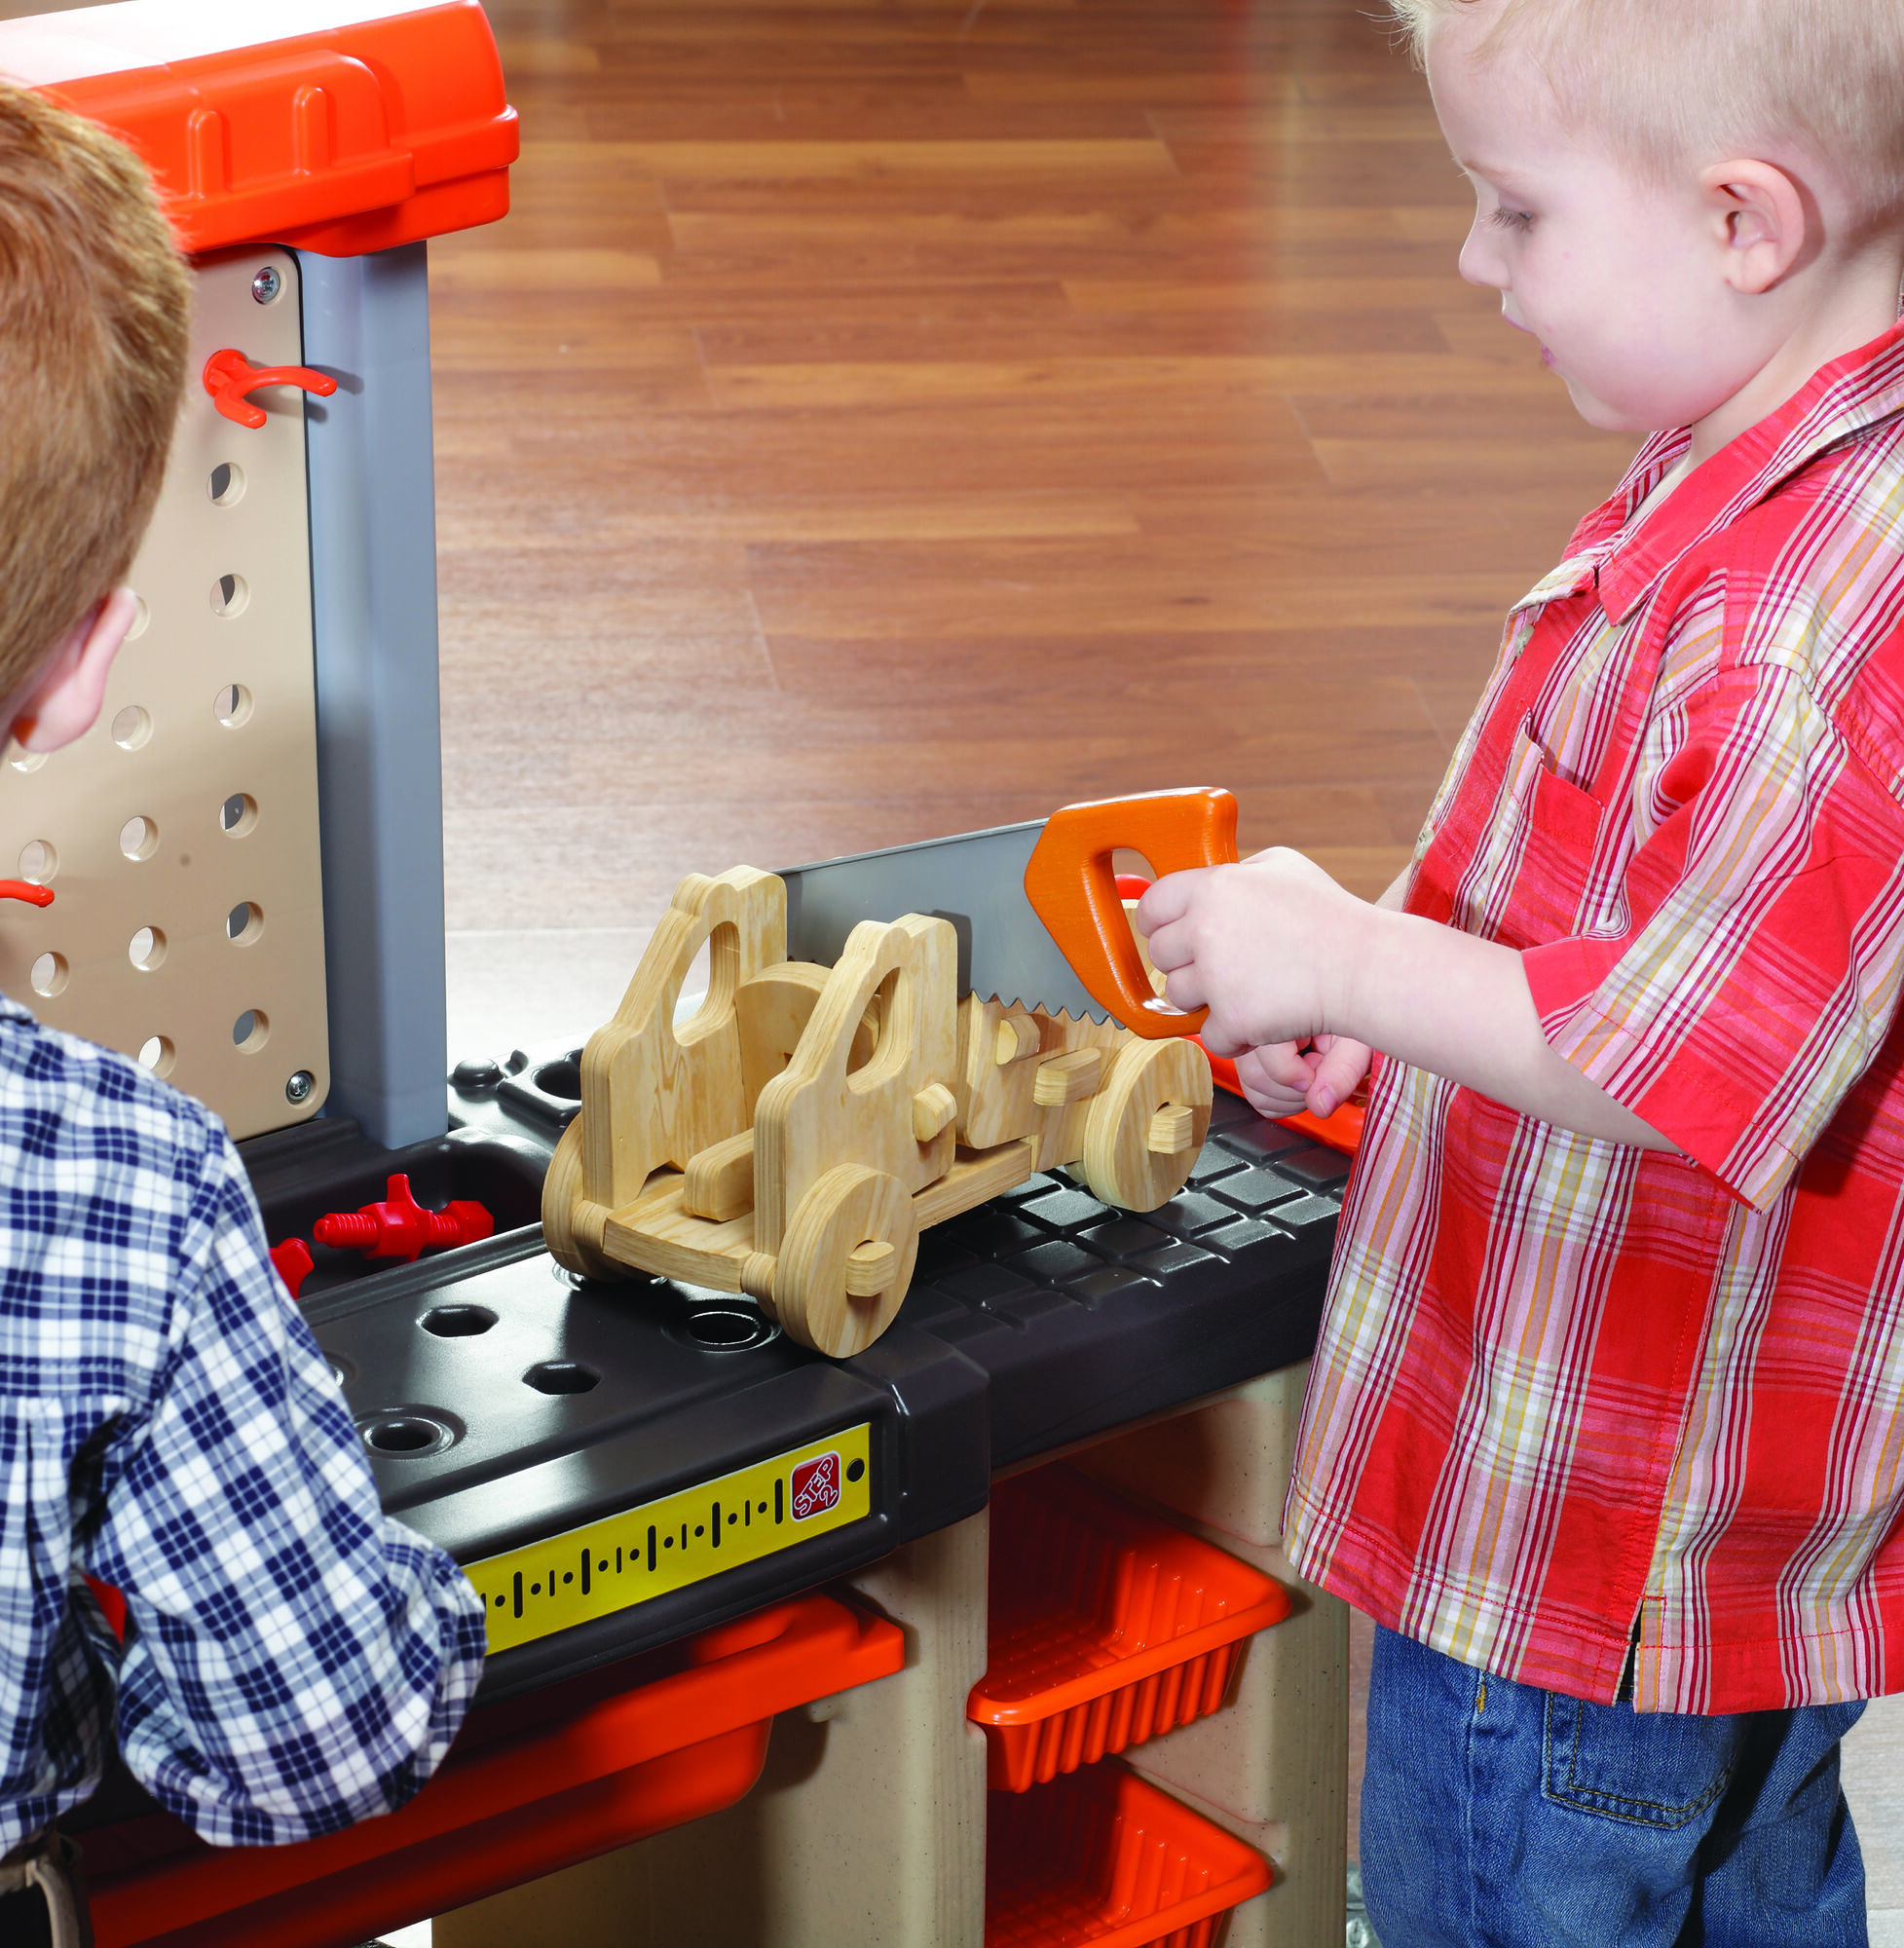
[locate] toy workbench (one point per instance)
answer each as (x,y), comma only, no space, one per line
(970,1624)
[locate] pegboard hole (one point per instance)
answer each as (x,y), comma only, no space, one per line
(138,837)
(244,922)
(147,949)
(232,706)
(229,595)
(39,861)
(23,759)
(131,729)
(156,1054)
(49,974)
(238,814)
(251,1030)
(141,619)
(226,484)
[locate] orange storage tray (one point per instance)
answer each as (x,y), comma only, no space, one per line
(1108,1626)
(1104,1858)
(532,1785)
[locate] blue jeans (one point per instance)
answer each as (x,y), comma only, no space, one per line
(1496,1816)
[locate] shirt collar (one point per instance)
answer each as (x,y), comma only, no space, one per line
(1839,400)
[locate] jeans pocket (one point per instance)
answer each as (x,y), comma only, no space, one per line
(1659,1769)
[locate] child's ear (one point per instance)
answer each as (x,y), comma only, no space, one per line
(1762,221)
(66,695)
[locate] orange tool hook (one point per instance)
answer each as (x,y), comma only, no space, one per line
(25,889)
(229,376)
(1072,888)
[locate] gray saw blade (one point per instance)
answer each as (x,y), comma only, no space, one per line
(977,882)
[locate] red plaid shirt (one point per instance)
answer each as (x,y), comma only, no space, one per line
(1564,1383)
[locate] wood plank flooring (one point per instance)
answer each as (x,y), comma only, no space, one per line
(878,419)
(877,422)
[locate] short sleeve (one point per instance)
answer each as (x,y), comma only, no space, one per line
(1752,971)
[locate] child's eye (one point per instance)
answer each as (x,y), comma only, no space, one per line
(1513,219)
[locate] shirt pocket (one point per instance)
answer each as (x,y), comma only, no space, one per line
(1515,869)
(1661,1768)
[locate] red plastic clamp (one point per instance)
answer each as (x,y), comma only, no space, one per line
(399,1227)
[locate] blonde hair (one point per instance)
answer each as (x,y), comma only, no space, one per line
(94,310)
(1662,80)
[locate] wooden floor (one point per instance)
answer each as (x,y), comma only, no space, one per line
(875,421)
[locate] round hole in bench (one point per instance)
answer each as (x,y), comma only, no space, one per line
(458,1321)
(561,1077)
(405,1436)
(562,1376)
(728,1328)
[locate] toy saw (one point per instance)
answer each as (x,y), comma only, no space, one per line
(1036,907)
(885,1041)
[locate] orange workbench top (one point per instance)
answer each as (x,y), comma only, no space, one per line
(338,128)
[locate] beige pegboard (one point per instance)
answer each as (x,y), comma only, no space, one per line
(179,835)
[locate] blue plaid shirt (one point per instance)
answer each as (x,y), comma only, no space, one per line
(295,1660)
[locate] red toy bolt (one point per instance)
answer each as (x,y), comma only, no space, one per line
(399,1227)
(294,1263)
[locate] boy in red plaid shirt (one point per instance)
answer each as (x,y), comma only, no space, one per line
(1606,1423)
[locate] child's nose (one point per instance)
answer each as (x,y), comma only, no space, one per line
(1481,263)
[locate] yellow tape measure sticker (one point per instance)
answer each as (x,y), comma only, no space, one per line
(684,1538)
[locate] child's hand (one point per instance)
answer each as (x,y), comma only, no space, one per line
(1281,1079)
(1266,945)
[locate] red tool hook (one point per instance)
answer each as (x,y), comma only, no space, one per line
(25,889)
(229,376)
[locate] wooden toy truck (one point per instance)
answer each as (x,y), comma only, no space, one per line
(791,1138)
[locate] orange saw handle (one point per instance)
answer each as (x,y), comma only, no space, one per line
(1074,890)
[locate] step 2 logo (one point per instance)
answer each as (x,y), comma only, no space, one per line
(816,1486)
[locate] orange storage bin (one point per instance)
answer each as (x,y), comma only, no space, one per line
(532,1785)
(1104,1858)
(1108,1626)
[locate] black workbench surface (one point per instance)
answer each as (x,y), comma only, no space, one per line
(505,1401)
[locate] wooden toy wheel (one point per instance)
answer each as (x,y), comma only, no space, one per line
(1147,1123)
(561,1193)
(848,1259)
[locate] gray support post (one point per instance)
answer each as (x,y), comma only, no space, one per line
(380,766)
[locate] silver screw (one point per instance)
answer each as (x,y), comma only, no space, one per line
(298,1089)
(267,285)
